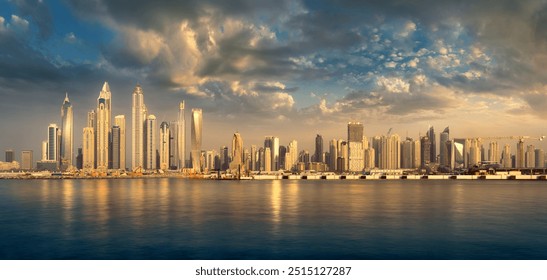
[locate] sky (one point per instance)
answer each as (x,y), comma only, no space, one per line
(291,69)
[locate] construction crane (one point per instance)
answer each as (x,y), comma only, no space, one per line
(389,131)
(519,138)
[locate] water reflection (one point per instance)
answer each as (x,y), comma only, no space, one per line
(68,206)
(275,202)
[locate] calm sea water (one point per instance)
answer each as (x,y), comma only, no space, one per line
(339,219)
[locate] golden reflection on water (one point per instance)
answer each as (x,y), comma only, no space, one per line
(68,205)
(291,198)
(163,200)
(102,205)
(275,202)
(136,202)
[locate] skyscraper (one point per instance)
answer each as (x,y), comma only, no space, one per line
(237,153)
(88,148)
(445,148)
(520,156)
(164,146)
(356,151)
(433,144)
(254,158)
(181,137)
(530,156)
(267,159)
(53,142)
(151,143)
(318,148)
(196,134)
(540,158)
(103,127)
(92,123)
(272,142)
(115,147)
(390,152)
(138,112)
(291,157)
(493,152)
(67,134)
(506,157)
(425,153)
(26,160)
(333,151)
(119,121)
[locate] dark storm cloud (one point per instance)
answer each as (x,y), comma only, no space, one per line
(39,12)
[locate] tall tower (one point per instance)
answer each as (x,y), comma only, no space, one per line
(493,152)
(164,146)
(506,156)
(181,138)
(445,147)
(88,148)
(333,151)
(67,134)
(433,147)
(115,147)
(119,121)
(196,130)
(137,128)
(319,148)
(151,143)
(237,152)
(52,142)
(103,126)
(356,152)
(520,157)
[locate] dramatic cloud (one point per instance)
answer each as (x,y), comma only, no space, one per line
(258,62)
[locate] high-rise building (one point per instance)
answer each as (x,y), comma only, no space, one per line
(164,146)
(318,148)
(254,158)
(44,151)
(445,148)
(267,159)
(92,122)
(356,151)
(520,156)
(224,158)
(115,147)
(407,160)
(291,156)
(26,160)
(369,158)
(196,134)
(180,143)
(433,144)
(237,153)
(530,156)
(540,158)
(10,156)
(272,142)
(493,152)
(390,153)
(506,157)
(80,159)
(425,153)
(138,117)
(103,127)
(88,148)
(475,152)
(53,143)
(67,134)
(333,151)
(119,121)
(150,142)
(342,160)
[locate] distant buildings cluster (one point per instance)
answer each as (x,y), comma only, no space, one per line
(162,147)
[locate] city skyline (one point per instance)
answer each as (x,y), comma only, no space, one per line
(279,70)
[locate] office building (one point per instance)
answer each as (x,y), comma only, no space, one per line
(530,157)
(493,152)
(150,143)
(164,146)
(540,158)
(196,138)
(425,151)
(445,148)
(67,134)
(237,153)
(272,142)
(27,162)
(119,121)
(103,127)
(318,155)
(88,148)
(506,161)
(115,147)
(138,117)
(356,151)
(520,156)
(267,159)
(433,145)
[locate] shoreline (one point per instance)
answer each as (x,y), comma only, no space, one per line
(352,177)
